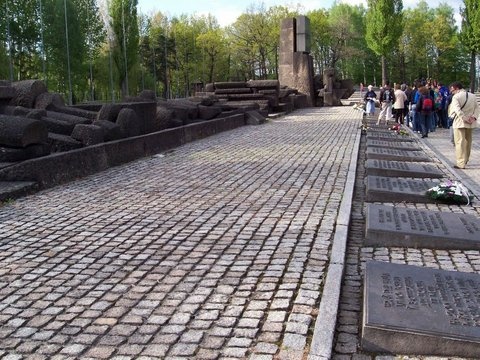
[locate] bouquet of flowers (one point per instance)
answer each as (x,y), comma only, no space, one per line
(452,192)
(398,129)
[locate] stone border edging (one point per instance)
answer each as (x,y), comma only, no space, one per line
(62,167)
(325,324)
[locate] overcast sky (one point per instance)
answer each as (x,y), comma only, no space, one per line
(227,11)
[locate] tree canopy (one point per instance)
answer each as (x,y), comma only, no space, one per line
(113,51)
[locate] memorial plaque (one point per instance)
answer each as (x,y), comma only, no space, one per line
(402,145)
(388,136)
(395,226)
(420,311)
(401,169)
(396,154)
(392,189)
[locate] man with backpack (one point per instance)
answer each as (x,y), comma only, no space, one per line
(387,98)
(424,108)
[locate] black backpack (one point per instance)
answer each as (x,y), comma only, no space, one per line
(387,96)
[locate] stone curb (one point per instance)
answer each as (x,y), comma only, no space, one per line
(325,324)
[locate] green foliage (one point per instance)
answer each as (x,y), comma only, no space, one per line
(123,15)
(470,34)
(384,22)
(6,202)
(171,55)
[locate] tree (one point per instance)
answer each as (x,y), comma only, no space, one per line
(64,45)
(320,37)
(444,39)
(123,22)
(346,34)
(213,44)
(470,34)
(384,21)
(415,41)
(156,48)
(253,43)
(91,25)
(20,26)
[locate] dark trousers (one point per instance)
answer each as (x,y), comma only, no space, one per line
(398,115)
(424,120)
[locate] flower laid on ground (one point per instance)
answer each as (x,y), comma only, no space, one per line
(452,192)
(399,130)
(359,106)
(364,127)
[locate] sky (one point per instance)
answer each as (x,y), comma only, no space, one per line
(227,11)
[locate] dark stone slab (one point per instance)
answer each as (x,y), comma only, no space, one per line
(421,311)
(401,169)
(8,154)
(396,154)
(254,118)
(402,145)
(373,127)
(13,189)
(391,189)
(387,136)
(396,226)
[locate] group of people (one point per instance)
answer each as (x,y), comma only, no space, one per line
(426,106)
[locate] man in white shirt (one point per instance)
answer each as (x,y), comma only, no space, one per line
(464,111)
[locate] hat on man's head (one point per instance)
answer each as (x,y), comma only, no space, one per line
(370,87)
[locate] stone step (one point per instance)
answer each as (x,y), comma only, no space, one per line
(14,189)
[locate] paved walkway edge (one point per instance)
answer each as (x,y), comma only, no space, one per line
(323,334)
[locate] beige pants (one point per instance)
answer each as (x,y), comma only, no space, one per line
(385,113)
(463,145)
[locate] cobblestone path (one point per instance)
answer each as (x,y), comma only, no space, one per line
(216,250)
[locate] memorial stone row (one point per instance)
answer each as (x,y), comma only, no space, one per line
(409,309)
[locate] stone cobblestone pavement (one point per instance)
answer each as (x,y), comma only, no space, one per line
(216,250)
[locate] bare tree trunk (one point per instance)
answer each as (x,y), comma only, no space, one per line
(384,70)
(473,57)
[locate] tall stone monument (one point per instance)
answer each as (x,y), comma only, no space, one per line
(295,68)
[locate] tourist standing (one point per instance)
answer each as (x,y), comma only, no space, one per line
(464,111)
(424,110)
(443,111)
(413,106)
(387,98)
(370,97)
(399,104)
(406,109)
(438,99)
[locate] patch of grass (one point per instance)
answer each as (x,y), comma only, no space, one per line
(6,202)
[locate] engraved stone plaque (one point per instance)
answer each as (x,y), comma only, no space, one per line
(373,127)
(420,311)
(396,154)
(402,145)
(392,189)
(395,226)
(401,169)
(387,135)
